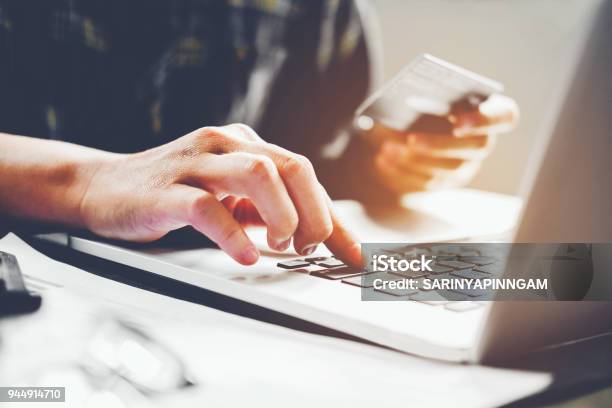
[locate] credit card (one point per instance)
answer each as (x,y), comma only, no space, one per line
(427,85)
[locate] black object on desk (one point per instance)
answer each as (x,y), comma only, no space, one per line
(14,296)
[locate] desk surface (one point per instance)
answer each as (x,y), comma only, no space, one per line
(583,371)
(233,361)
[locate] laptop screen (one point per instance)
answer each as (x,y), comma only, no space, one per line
(570,200)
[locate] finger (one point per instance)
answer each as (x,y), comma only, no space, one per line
(410,161)
(413,172)
(254,176)
(299,178)
(498,114)
(217,140)
(381,133)
(474,147)
(315,223)
(244,211)
(341,242)
(242,131)
(206,214)
(398,180)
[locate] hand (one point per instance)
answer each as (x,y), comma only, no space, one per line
(218,180)
(412,161)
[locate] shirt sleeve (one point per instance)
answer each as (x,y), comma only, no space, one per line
(344,162)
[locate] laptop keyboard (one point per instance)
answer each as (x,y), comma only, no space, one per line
(458,264)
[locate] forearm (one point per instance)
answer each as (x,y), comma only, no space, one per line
(45,180)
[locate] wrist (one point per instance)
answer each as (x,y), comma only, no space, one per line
(85,171)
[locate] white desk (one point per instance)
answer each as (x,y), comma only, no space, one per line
(239,361)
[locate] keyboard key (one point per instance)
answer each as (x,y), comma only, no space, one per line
(478,260)
(493,269)
(315,259)
(309,269)
(367,281)
(455,264)
(452,296)
(445,249)
(392,252)
(454,249)
(298,263)
(446,258)
(419,284)
(339,273)
(409,274)
(471,292)
(330,263)
(415,252)
(437,269)
(468,253)
(305,271)
(370,294)
(439,276)
(462,306)
(429,298)
(470,274)
(398,292)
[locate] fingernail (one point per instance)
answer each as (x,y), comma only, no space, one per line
(463,130)
(309,249)
(496,105)
(283,245)
(358,255)
(250,256)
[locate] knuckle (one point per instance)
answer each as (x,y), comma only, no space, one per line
(320,232)
(240,133)
(210,139)
(296,164)
(245,129)
(201,207)
(206,133)
(260,167)
(325,232)
(290,226)
(283,229)
(229,234)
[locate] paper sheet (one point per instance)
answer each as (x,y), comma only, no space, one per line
(237,361)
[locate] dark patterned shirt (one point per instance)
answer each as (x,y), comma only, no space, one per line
(125,75)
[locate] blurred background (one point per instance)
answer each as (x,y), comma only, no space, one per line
(529,45)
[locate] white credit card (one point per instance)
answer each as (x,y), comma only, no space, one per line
(427,85)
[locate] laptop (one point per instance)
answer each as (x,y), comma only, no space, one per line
(567,201)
